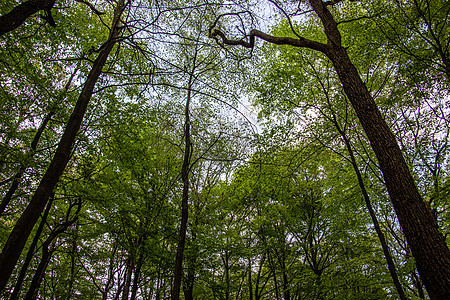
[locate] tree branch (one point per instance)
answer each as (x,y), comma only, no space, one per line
(300,42)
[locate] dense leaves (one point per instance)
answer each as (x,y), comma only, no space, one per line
(277,209)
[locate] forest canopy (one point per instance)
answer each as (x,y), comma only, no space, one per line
(224,150)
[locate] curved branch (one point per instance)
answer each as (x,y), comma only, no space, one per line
(300,42)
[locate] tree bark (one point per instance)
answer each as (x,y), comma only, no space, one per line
(419,226)
(23,11)
(21,231)
(30,253)
(427,244)
(137,274)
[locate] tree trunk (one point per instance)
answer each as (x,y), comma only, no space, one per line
(21,231)
(250,288)
(23,11)
(384,246)
(39,274)
(128,274)
(427,244)
(137,274)
(178,274)
(73,254)
(419,226)
(30,253)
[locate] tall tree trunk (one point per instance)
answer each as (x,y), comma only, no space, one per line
(226,264)
(427,244)
(419,226)
(274,273)
(73,254)
(21,231)
(188,287)
(30,253)
(178,274)
(39,274)
(23,11)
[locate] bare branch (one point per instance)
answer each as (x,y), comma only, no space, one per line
(300,42)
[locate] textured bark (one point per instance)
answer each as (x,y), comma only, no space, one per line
(419,226)
(427,244)
(21,231)
(23,11)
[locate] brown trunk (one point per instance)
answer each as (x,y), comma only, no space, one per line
(30,253)
(250,288)
(419,226)
(137,274)
(23,11)
(427,244)
(21,231)
(39,274)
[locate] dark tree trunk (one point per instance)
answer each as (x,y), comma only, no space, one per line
(274,274)
(39,274)
(226,265)
(250,287)
(30,253)
(23,11)
(21,231)
(427,244)
(73,254)
(419,226)
(178,274)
